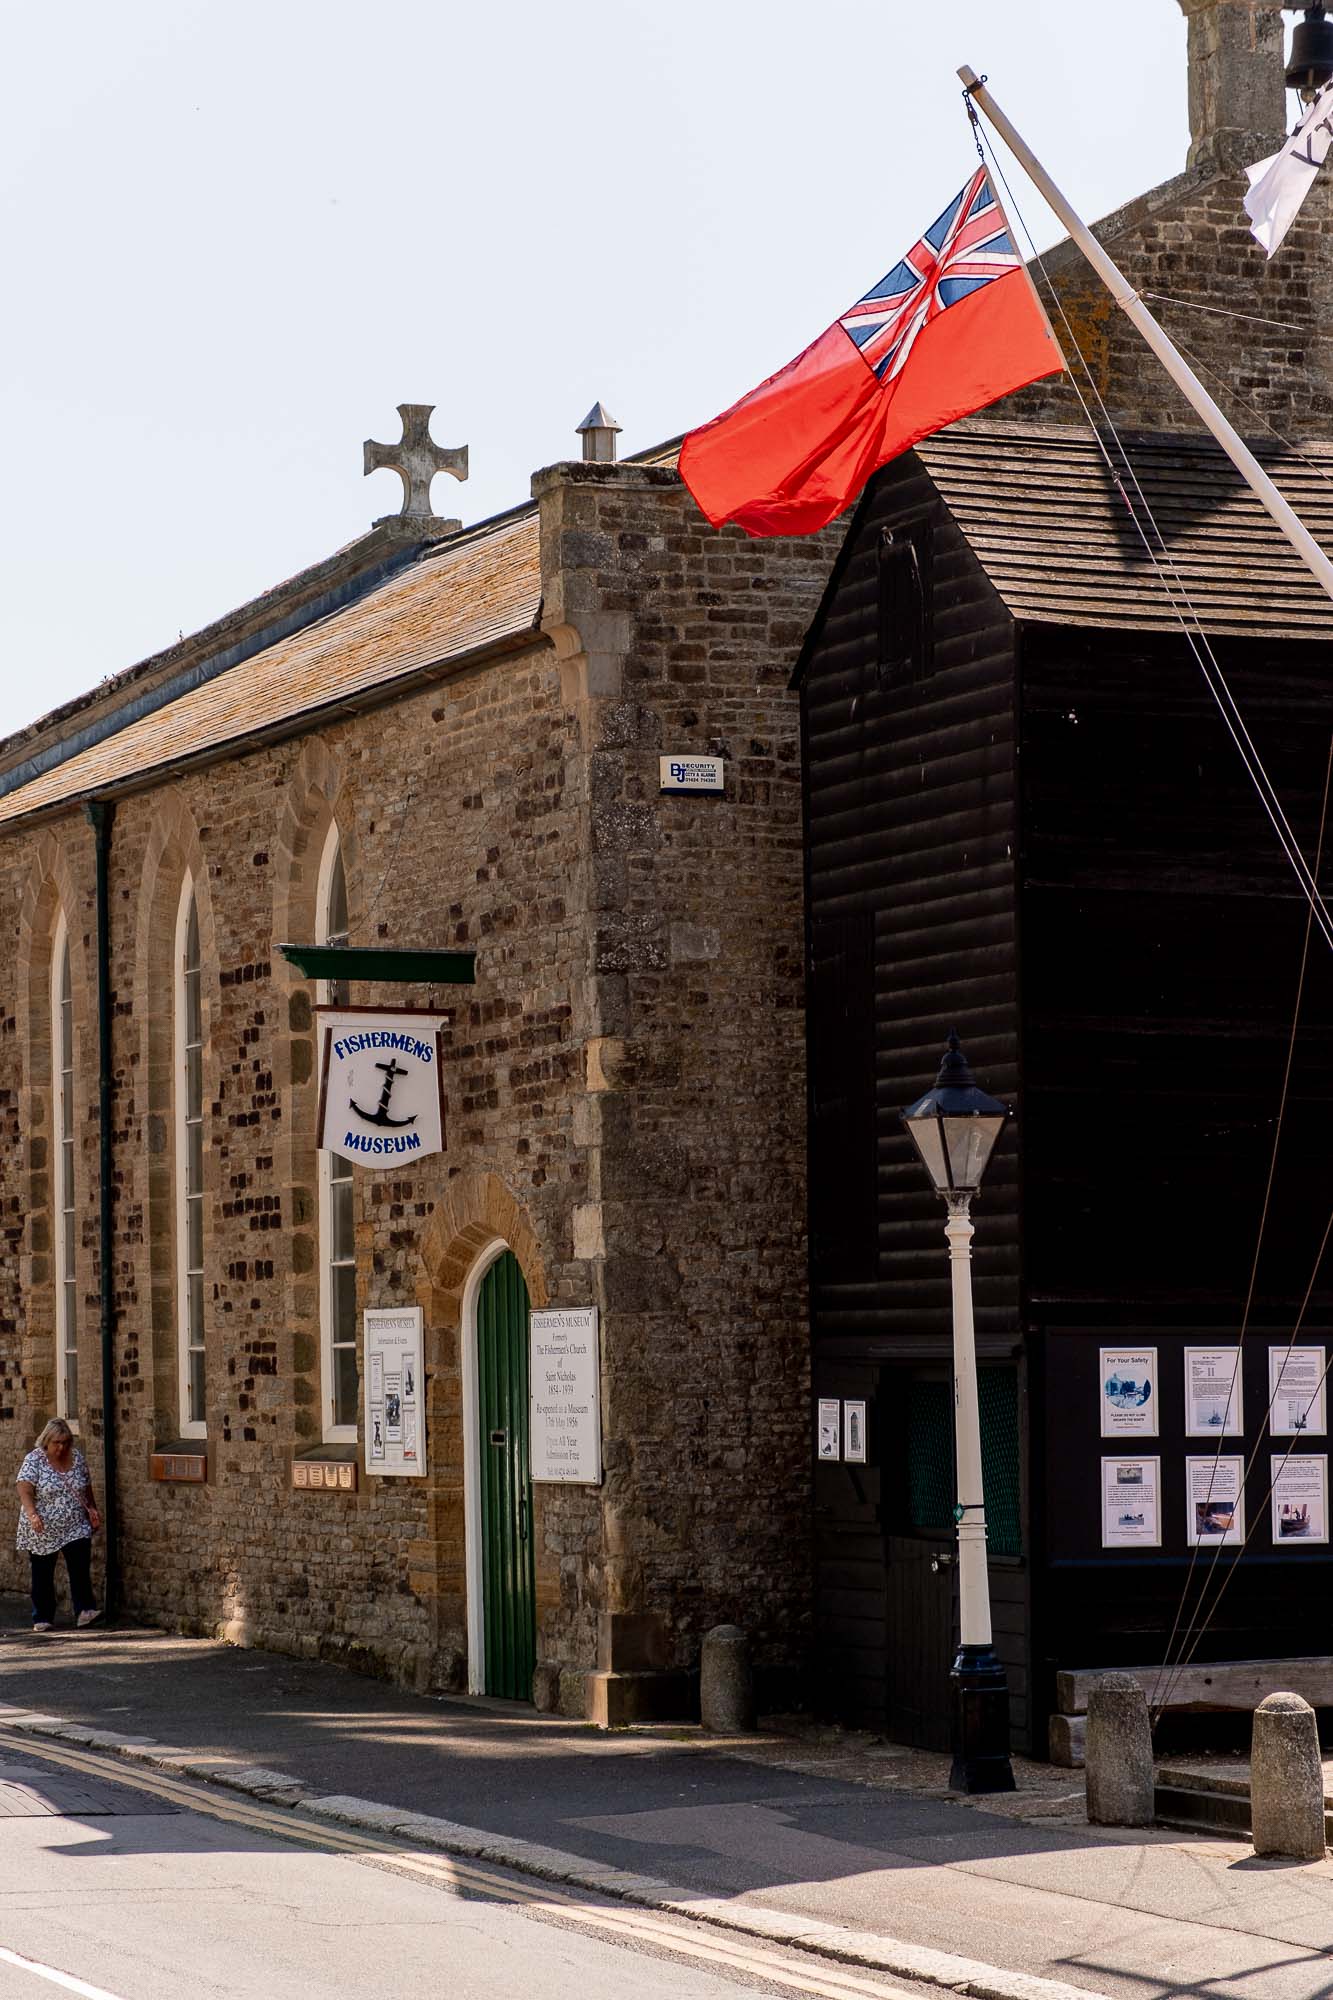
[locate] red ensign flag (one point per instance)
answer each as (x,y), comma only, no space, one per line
(952,328)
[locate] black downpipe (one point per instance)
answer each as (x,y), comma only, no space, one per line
(100,813)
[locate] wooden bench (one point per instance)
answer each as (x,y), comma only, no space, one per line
(1205,1687)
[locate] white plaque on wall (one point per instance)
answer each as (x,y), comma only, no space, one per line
(395,1393)
(381,1093)
(691,774)
(564,1395)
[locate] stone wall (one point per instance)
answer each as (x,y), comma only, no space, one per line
(625,1104)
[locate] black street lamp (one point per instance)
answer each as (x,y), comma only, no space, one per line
(954,1128)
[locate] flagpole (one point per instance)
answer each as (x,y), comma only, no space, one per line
(1248,466)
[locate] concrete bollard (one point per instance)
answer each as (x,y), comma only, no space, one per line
(1118,1757)
(726,1690)
(1286,1780)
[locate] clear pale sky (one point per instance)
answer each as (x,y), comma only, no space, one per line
(236,236)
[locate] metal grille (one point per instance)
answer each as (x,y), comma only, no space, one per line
(998,1389)
(930,1461)
(930,1480)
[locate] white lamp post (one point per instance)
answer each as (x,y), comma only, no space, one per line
(954,1128)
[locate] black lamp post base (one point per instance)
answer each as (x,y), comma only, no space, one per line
(979,1690)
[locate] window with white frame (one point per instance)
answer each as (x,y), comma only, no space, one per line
(339,1385)
(66,1220)
(189,1108)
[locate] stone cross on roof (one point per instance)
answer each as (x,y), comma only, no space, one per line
(416,458)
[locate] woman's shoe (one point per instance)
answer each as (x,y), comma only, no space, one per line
(87,1617)
(41,1625)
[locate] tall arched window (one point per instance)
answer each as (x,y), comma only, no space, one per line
(337,1230)
(66,1220)
(189,1034)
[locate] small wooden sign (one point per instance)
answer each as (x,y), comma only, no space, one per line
(179,1468)
(317,1475)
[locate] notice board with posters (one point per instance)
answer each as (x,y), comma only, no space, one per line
(395,1393)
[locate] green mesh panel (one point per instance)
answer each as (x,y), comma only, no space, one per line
(998,1389)
(930,1473)
(930,1489)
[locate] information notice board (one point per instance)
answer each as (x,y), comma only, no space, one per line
(565,1396)
(395,1393)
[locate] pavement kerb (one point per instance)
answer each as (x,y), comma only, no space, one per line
(834,1942)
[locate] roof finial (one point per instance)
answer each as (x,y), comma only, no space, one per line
(416,458)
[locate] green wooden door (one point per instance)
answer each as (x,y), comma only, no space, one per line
(506,1489)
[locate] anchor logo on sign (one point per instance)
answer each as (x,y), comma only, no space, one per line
(380,1115)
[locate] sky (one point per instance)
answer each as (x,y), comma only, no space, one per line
(237,235)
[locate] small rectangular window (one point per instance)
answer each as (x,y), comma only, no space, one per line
(906,627)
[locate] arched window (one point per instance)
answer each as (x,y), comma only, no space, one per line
(66,1220)
(189,1035)
(339,1385)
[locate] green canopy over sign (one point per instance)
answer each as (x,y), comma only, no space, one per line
(384,967)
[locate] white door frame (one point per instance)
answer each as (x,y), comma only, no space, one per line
(474,1573)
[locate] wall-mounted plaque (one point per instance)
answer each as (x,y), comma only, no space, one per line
(395,1393)
(829,1433)
(1131,1515)
(1296,1392)
(692,774)
(1300,1499)
(565,1396)
(854,1432)
(314,1475)
(179,1468)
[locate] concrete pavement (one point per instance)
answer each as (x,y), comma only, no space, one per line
(760,1840)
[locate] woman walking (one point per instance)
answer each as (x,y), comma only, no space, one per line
(58,1513)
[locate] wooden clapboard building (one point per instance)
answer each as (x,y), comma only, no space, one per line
(1026,818)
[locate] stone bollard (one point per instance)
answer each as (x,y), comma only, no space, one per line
(1118,1757)
(1286,1780)
(726,1691)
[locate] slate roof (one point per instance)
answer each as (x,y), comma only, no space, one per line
(1039,508)
(470,593)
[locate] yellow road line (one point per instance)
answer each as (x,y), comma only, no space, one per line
(450,1872)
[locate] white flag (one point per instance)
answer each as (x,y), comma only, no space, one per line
(1279,186)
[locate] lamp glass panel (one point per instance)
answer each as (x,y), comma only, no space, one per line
(926,1137)
(971,1142)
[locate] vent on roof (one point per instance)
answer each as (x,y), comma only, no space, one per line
(598,431)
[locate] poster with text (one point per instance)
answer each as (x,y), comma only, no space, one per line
(1296,1391)
(830,1429)
(854,1432)
(1130,1514)
(1212,1392)
(1214,1502)
(565,1396)
(395,1415)
(1129,1392)
(1300,1500)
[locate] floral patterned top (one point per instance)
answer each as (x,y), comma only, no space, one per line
(61,1500)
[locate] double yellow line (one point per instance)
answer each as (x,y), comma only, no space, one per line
(618,1922)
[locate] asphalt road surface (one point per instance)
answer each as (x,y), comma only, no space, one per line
(128,1886)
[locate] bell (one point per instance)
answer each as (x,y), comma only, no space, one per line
(1311,65)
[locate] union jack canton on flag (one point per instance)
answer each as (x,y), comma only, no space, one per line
(953,327)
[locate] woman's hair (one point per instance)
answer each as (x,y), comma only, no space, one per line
(57,1428)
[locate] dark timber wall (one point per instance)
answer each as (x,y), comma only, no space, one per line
(910,806)
(1162,941)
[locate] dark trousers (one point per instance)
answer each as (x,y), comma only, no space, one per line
(79,1562)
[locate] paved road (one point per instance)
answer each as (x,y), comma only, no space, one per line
(136,1889)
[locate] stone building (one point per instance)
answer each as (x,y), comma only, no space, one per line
(438,739)
(449,740)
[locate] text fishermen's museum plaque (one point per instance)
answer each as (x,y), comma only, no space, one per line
(564,1389)
(382,1092)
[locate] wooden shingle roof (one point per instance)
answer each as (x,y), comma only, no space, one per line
(1039,507)
(464,596)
